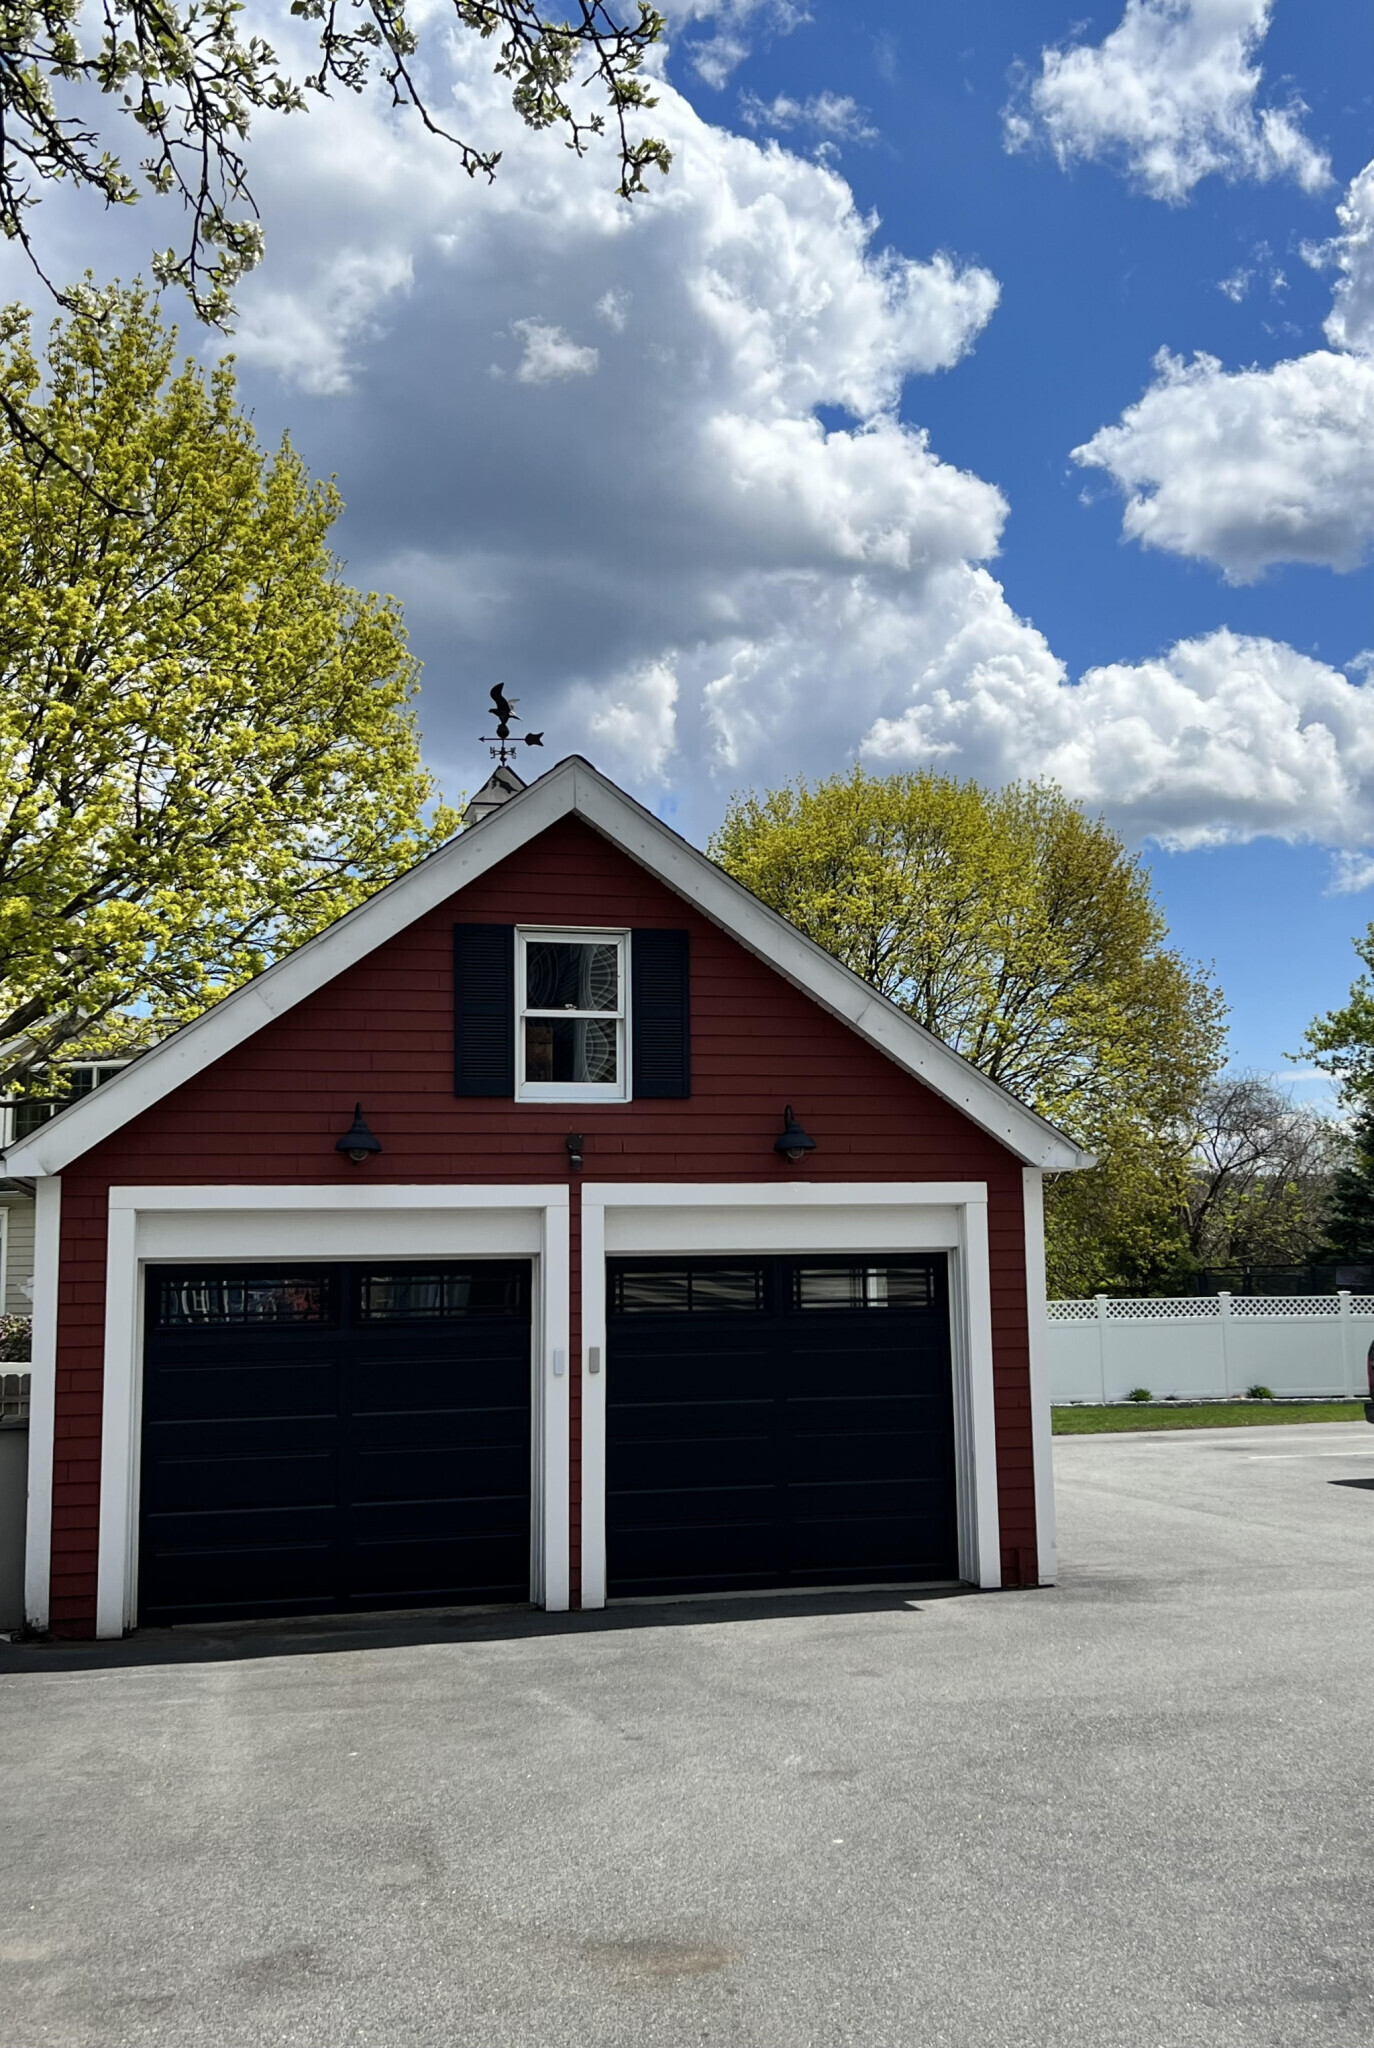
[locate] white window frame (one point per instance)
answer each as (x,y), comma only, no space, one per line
(573,1091)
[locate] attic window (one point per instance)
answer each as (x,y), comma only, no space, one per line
(571,1028)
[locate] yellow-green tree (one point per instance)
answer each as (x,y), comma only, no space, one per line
(206,737)
(1023,934)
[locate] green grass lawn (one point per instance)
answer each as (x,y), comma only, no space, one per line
(1202,1415)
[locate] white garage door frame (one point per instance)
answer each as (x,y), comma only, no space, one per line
(762,1217)
(334,1223)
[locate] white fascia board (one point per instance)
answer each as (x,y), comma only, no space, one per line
(573,787)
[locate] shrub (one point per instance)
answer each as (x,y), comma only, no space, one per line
(1259,1393)
(15,1334)
(1140,1394)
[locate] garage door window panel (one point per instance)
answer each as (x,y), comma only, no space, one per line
(197,1301)
(833,1285)
(680,1288)
(401,1296)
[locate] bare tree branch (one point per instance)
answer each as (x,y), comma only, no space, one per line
(191,82)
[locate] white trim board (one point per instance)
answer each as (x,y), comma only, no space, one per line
(326,1223)
(1042,1420)
(572,789)
(809,1217)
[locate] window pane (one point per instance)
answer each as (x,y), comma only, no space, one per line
(441,1295)
(651,1294)
(570,1049)
(684,1290)
(734,1287)
(884,1286)
(29,1113)
(281,1300)
(571,977)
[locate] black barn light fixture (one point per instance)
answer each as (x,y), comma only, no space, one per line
(795,1143)
(359,1142)
(573,1141)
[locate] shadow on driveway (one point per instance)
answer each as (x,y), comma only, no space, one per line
(311,1635)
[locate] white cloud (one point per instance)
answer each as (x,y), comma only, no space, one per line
(835,116)
(614,308)
(1250,468)
(550,354)
(716,58)
(1222,738)
(632,719)
(1350,324)
(1351,873)
(672,563)
(1172,94)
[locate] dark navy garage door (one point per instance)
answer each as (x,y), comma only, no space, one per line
(778,1422)
(326,1438)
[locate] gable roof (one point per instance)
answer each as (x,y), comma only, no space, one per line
(572,789)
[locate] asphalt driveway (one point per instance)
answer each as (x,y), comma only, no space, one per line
(1131,1812)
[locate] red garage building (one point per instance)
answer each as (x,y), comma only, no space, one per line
(559,1316)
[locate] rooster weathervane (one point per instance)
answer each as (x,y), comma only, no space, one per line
(501,746)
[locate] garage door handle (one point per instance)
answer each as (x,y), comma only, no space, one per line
(593,1358)
(558,1364)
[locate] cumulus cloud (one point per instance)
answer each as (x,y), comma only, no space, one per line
(1172,95)
(1246,469)
(1222,737)
(1250,468)
(675,562)
(1350,324)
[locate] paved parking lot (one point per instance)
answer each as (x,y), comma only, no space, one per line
(1131,1812)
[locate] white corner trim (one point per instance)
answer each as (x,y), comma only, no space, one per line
(733,1216)
(1042,1418)
(42,1402)
(572,788)
(303,1221)
(980,1560)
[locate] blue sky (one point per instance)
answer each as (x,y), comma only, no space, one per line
(776,469)
(1096,276)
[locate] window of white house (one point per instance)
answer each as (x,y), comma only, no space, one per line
(571,1017)
(23,1114)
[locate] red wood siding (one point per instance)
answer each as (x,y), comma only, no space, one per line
(382,1033)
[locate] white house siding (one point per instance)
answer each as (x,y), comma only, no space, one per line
(18,1228)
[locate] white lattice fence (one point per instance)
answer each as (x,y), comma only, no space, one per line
(1209,1346)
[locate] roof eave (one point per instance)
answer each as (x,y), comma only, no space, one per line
(572,788)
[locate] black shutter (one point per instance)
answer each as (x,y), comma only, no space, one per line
(484,1009)
(660,1014)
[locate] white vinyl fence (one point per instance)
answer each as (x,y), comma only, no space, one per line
(1211,1346)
